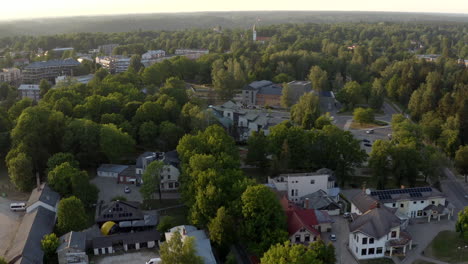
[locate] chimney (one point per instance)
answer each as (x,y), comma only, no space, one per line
(306,203)
(38,181)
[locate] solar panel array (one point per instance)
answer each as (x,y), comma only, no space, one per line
(413,192)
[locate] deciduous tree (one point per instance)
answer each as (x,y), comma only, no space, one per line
(179,251)
(71,215)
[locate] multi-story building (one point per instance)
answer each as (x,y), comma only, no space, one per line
(298,185)
(377,233)
(108,48)
(298,88)
(153,54)
(48,70)
(11,76)
(114,64)
(30,91)
(262,93)
(170,171)
(192,54)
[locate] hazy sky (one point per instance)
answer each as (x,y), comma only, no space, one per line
(45,8)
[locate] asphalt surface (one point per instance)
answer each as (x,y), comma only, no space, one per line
(455,190)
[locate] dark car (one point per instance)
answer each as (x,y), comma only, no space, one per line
(368,145)
(366,140)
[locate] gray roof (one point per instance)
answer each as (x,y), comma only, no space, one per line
(126,238)
(75,240)
(53,63)
(418,193)
(43,224)
(118,211)
(363,202)
(148,155)
(44,194)
(112,168)
(375,223)
(264,87)
(320,200)
(323,217)
(172,158)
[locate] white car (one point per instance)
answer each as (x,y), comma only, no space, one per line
(154,261)
(370,131)
(332,237)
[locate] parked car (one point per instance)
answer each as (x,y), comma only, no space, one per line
(154,261)
(366,140)
(368,145)
(127,189)
(346,215)
(370,131)
(18,207)
(332,237)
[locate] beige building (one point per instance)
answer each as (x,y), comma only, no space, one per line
(114,64)
(11,76)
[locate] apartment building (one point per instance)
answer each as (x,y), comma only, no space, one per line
(31,91)
(114,64)
(48,70)
(192,54)
(11,76)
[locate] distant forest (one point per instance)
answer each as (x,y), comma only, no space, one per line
(180,21)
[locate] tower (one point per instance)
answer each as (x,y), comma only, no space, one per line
(254,33)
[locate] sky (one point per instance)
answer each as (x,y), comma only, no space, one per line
(57,8)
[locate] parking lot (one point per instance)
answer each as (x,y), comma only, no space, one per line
(379,133)
(109,189)
(138,257)
(9,222)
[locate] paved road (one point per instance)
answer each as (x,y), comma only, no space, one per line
(341,229)
(455,190)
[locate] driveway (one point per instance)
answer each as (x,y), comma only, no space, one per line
(137,257)
(9,223)
(423,234)
(341,229)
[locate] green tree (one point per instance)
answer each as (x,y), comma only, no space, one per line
(3,261)
(148,134)
(44,87)
(49,244)
(323,120)
(363,116)
(167,222)
(306,111)
(263,220)
(221,228)
(314,253)
(20,169)
(380,162)
(169,135)
(319,79)
(257,145)
(351,94)
(61,157)
(287,99)
(135,63)
(152,180)
(71,215)
(114,142)
(179,251)
(461,160)
(377,94)
(462,223)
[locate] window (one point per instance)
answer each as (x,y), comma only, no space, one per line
(371,251)
(176,184)
(171,185)
(394,233)
(307,238)
(419,213)
(169,177)
(292,192)
(298,238)
(422,201)
(364,251)
(402,205)
(297,191)
(394,205)
(302,230)
(379,250)
(371,240)
(356,250)
(364,240)
(414,202)
(228,114)
(433,202)
(312,181)
(355,236)
(357,239)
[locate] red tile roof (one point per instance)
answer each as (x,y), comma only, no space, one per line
(299,218)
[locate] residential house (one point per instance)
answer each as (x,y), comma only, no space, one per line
(242,121)
(297,185)
(124,242)
(38,221)
(320,200)
(20,62)
(111,170)
(84,79)
(72,249)
(119,211)
(202,243)
(262,93)
(299,88)
(429,57)
(31,91)
(169,173)
(11,76)
(419,202)
(153,54)
(377,233)
(48,70)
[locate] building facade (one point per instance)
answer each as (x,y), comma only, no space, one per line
(48,70)
(31,91)
(12,76)
(299,88)
(262,93)
(170,171)
(114,64)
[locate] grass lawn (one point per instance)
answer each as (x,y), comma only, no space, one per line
(356,125)
(445,246)
(377,261)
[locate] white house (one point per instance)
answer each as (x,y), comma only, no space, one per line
(169,173)
(377,233)
(31,91)
(43,196)
(298,185)
(416,202)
